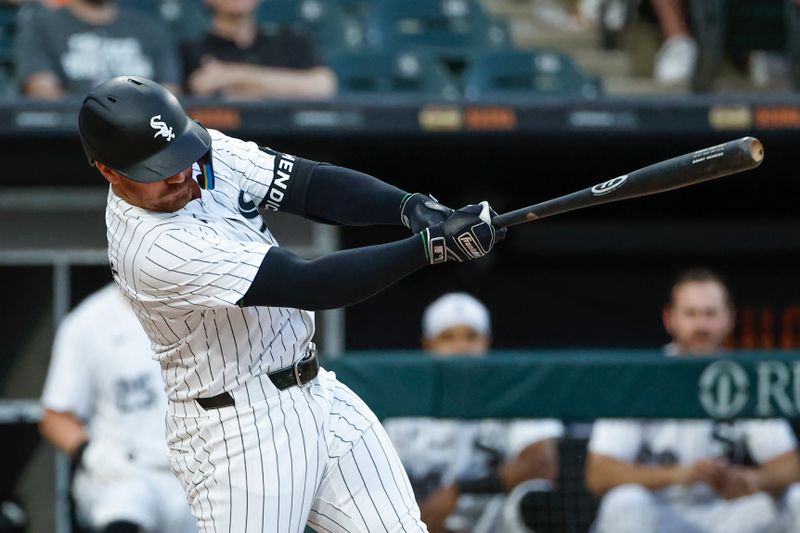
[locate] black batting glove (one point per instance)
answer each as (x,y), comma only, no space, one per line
(420,211)
(467,234)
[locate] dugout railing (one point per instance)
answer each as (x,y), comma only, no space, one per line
(576,387)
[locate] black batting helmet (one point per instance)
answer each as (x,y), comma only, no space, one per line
(138,128)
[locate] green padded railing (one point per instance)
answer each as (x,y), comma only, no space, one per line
(576,385)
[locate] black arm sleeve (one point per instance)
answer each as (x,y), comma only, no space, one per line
(349,197)
(331,194)
(335,280)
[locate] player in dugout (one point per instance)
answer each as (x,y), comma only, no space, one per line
(104,406)
(462,470)
(695,475)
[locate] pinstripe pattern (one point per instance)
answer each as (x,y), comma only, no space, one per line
(276,460)
(185,271)
(314,455)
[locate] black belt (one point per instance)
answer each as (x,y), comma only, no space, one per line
(298,374)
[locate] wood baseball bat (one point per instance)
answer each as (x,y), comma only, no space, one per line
(713,162)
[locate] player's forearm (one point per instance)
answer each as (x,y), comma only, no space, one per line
(269,82)
(335,280)
(44,85)
(344,196)
(64,430)
(603,473)
(537,461)
(776,475)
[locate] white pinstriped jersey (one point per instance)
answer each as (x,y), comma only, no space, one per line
(185,271)
(101,371)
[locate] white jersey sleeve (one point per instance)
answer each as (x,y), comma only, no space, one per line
(523,433)
(620,439)
(68,387)
(198,268)
(262,173)
(768,439)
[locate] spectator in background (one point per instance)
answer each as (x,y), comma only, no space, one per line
(104,407)
(69,50)
(238,59)
(676,60)
(699,475)
(456,466)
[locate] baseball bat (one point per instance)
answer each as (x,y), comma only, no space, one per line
(702,165)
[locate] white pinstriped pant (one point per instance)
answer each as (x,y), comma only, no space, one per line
(315,455)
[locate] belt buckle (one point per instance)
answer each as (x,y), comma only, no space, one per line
(311,352)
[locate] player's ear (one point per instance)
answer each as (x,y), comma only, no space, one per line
(666,317)
(108,173)
(425,342)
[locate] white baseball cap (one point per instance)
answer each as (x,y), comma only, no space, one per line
(455,309)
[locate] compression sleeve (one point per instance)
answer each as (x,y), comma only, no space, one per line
(338,195)
(335,280)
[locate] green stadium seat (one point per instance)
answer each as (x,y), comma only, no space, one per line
(452,29)
(334,31)
(517,73)
(405,72)
(186,19)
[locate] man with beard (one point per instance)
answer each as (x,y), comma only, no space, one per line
(695,475)
(69,50)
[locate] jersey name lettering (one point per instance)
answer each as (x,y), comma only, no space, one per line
(277,191)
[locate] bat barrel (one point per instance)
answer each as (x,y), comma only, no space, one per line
(702,165)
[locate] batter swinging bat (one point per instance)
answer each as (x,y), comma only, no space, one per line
(702,165)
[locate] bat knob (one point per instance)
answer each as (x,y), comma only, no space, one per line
(756,149)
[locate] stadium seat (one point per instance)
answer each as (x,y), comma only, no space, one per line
(186,19)
(406,72)
(516,73)
(452,29)
(334,31)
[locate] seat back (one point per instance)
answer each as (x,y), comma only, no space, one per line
(515,72)
(404,72)
(445,27)
(333,30)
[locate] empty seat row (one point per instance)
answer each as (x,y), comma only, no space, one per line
(490,74)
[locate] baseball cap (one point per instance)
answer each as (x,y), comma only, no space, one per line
(455,309)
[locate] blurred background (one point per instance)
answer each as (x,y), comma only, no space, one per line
(513,101)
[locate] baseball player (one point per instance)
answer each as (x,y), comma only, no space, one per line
(104,406)
(461,470)
(698,475)
(261,438)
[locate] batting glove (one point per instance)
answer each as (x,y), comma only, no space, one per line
(467,234)
(420,211)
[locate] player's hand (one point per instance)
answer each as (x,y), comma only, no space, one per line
(466,234)
(209,79)
(437,507)
(421,211)
(703,471)
(737,482)
(106,463)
